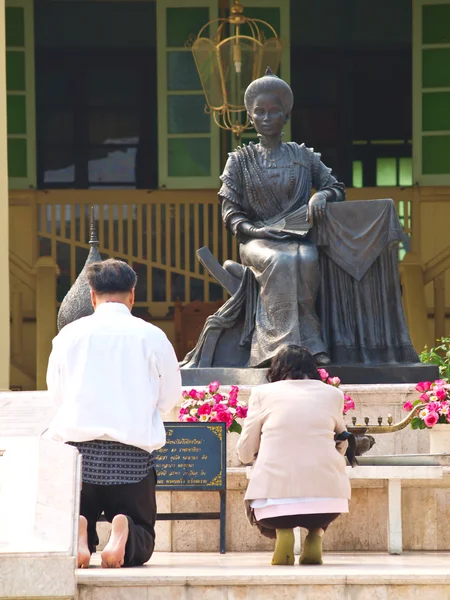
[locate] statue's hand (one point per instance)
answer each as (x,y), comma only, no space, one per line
(317,205)
(261,233)
(276,234)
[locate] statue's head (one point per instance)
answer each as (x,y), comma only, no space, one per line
(269,101)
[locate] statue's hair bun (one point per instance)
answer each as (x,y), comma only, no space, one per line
(269,83)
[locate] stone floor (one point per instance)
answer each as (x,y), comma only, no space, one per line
(249,576)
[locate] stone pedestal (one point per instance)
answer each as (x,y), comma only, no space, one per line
(359,374)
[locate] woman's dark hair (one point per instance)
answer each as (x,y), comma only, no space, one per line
(292,362)
(111,277)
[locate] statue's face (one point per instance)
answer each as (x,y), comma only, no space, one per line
(267,114)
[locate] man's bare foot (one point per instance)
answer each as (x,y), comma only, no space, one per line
(84,556)
(114,553)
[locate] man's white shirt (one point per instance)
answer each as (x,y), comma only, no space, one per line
(113,376)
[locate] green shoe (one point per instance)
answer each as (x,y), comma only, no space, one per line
(312,550)
(284,548)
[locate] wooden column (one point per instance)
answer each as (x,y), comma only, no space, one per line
(439,306)
(46,274)
(4,216)
(414,304)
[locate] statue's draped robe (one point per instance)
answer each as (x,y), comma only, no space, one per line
(287,272)
(351,256)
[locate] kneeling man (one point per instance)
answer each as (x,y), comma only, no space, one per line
(112,376)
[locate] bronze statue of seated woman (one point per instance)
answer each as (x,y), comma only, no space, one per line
(300,284)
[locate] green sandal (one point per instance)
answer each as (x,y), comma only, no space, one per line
(312,550)
(284,549)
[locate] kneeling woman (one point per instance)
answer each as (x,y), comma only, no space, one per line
(298,478)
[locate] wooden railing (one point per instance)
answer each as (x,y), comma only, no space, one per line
(158,233)
(32,287)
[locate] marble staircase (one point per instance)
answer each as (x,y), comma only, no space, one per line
(249,576)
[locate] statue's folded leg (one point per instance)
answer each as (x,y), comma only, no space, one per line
(288,277)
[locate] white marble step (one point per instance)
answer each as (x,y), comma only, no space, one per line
(249,576)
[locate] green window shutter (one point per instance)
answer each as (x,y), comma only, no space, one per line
(277,14)
(188,139)
(19,23)
(431,92)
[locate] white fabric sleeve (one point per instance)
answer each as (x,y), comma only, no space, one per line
(169,378)
(54,382)
(250,438)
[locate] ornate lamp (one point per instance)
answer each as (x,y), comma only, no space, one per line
(227,65)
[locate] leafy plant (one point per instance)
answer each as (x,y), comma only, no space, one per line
(440,356)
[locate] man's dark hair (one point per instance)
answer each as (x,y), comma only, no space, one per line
(111,277)
(292,362)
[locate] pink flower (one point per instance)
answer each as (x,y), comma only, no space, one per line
(191,419)
(241,412)
(233,395)
(213,387)
(350,405)
(323,374)
(220,409)
(431,419)
(423,386)
(335,381)
(234,389)
(193,394)
(200,395)
(214,420)
(347,397)
(408,406)
(440,383)
(424,397)
(185,395)
(441,394)
(232,401)
(218,398)
(204,409)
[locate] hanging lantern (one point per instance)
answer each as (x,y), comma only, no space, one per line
(227,65)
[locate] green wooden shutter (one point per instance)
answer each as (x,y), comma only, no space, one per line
(188,139)
(277,14)
(20,93)
(431,92)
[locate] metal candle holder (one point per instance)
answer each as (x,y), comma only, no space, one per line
(380,428)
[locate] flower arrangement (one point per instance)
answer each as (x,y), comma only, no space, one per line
(211,405)
(436,396)
(349,404)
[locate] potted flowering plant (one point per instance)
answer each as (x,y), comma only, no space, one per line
(434,413)
(212,405)
(349,404)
